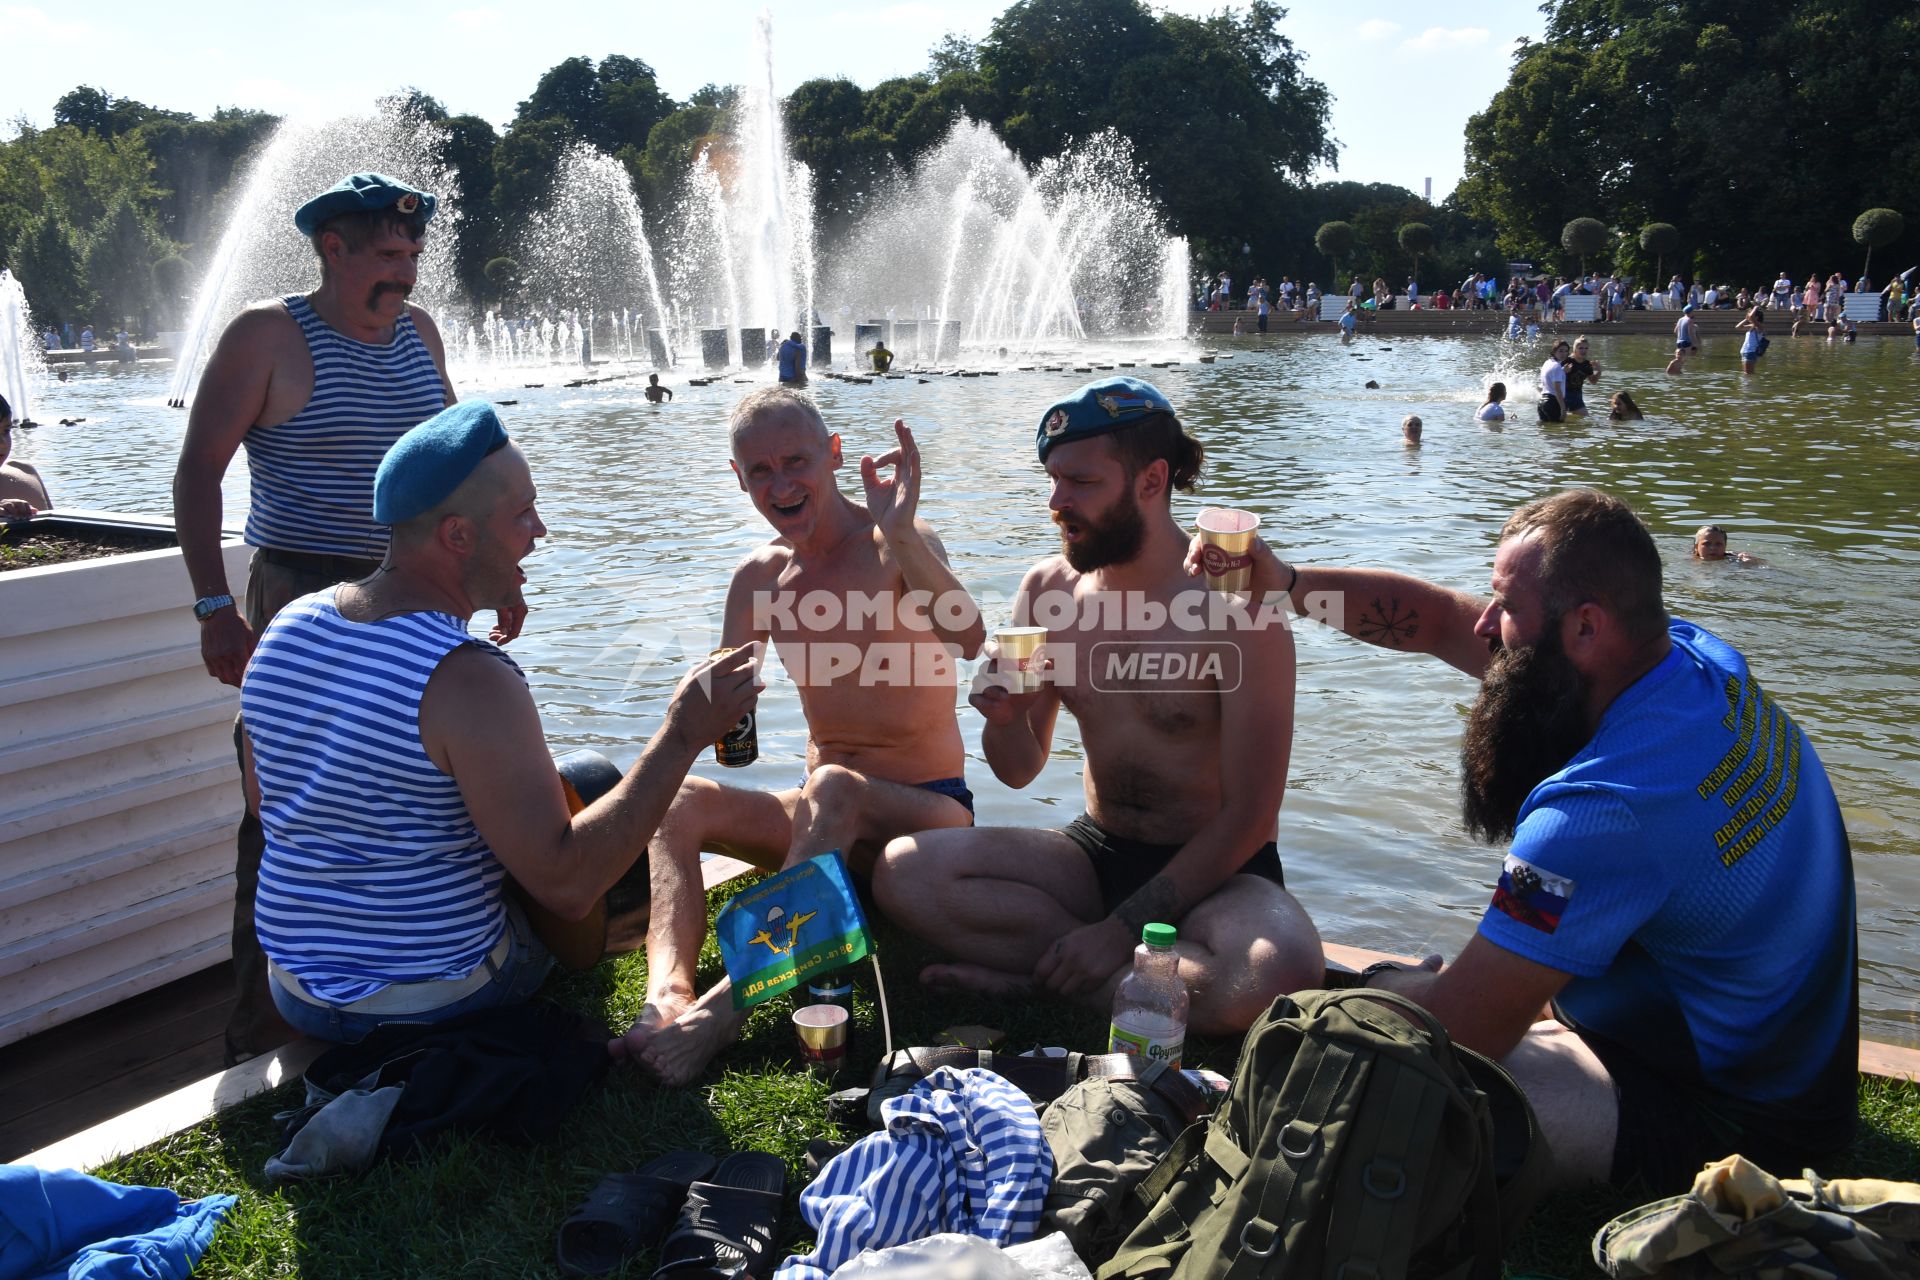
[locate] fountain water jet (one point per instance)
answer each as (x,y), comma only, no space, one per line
(23,365)
(587,247)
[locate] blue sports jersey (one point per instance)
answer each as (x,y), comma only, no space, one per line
(1689,868)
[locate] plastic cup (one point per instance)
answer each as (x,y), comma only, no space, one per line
(1226,538)
(1020,654)
(822,1029)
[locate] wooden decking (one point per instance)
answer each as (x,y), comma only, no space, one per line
(78,1074)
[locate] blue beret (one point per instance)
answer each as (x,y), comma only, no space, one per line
(1097,409)
(430,461)
(361,193)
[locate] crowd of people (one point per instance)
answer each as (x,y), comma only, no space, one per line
(1534,298)
(398,770)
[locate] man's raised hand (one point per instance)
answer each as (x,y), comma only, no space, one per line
(714,696)
(893,501)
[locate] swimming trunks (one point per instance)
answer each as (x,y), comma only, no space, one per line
(952,789)
(1122,866)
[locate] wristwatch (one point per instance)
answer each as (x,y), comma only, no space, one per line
(206,606)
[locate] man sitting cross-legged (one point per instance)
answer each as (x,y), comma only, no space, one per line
(1184,775)
(872,625)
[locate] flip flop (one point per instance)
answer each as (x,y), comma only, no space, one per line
(727,1227)
(626,1213)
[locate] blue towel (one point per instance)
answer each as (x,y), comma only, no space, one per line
(63,1225)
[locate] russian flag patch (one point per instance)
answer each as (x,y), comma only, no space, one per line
(1534,897)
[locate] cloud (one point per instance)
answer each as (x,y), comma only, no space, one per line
(1377,29)
(23,22)
(478,21)
(1445,40)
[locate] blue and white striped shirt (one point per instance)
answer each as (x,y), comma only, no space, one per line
(373,872)
(311,477)
(962,1151)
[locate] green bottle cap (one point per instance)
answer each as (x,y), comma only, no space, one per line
(1159,935)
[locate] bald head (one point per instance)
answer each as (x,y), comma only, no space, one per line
(773,404)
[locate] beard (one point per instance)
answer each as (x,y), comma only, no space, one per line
(1529,720)
(1114,539)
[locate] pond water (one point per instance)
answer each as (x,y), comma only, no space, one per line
(1810,465)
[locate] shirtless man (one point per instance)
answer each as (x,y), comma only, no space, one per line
(872,625)
(655,392)
(1183,778)
(23,491)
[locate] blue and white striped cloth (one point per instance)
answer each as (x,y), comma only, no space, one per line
(373,873)
(311,477)
(962,1151)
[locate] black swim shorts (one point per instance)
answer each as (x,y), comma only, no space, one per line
(1669,1127)
(1122,866)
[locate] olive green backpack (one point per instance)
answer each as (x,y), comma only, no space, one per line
(1358,1142)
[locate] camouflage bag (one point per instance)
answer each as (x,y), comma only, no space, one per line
(1108,1133)
(1741,1221)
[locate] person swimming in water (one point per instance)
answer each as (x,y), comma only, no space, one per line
(1710,543)
(1410,429)
(655,392)
(1622,408)
(1494,410)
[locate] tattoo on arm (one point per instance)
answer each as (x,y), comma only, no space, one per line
(1156,900)
(1388,624)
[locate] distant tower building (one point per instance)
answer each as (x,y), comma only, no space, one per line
(1429,190)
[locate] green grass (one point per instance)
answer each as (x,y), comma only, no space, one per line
(472,1207)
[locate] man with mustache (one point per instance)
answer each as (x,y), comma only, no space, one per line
(1185,721)
(1679,885)
(315,387)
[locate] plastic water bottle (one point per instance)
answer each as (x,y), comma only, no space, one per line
(1150,1005)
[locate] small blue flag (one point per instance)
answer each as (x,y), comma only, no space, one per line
(790,927)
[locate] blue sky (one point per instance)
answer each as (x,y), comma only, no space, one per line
(1405,75)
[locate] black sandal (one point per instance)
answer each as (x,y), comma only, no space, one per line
(626,1213)
(728,1225)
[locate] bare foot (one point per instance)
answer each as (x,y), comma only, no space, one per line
(976,978)
(679,1052)
(656,1015)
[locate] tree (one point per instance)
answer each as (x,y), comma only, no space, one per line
(1584,237)
(1659,239)
(119,260)
(503,274)
(46,259)
(1334,239)
(1877,227)
(1416,238)
(172,282)
(1719,120)
(613,105)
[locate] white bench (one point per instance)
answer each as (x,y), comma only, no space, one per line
(1580,308)
(1861,308)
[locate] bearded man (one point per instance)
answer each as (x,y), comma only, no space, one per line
(1186,718)
(1679,884)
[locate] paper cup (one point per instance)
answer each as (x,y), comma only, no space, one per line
(1020,653)
(1226,537)
(822,1029)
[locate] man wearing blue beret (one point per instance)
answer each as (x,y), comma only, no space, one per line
(403,771)
(1186,721)
(315,388)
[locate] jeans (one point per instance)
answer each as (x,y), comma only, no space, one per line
(514,981)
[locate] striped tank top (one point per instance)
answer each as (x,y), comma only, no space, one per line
(373,872)
(312,475)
